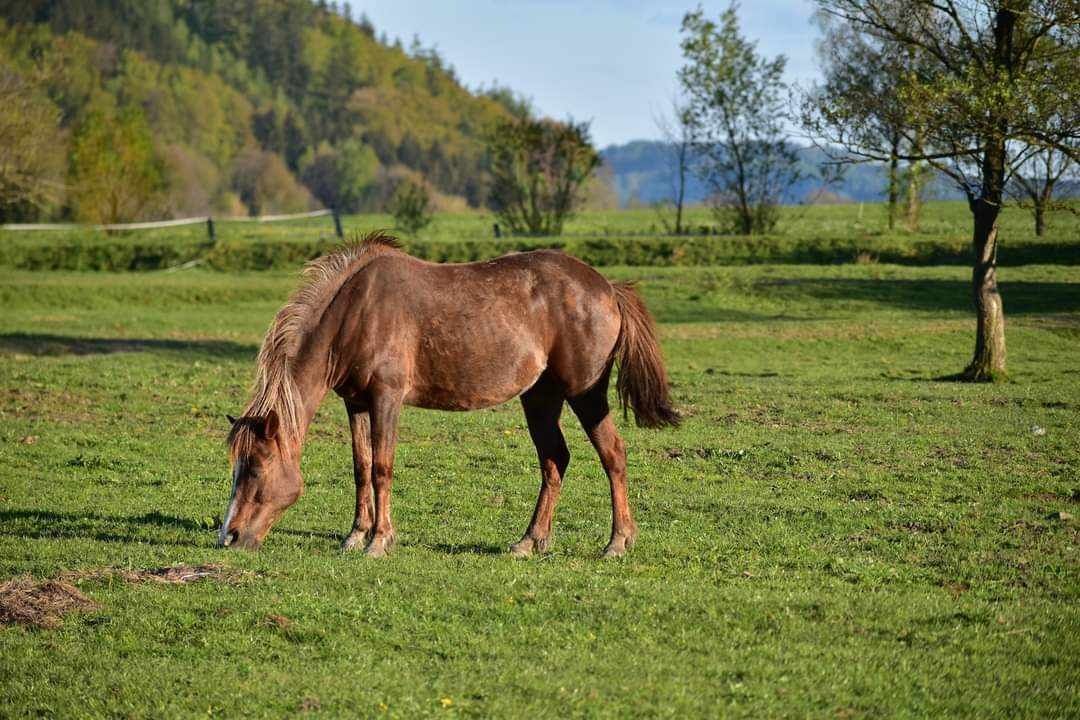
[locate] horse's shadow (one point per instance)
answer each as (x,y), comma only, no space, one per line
(48,345)
(153,528)
(156,528)
(469,549)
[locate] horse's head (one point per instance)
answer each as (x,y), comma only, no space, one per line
(266,480)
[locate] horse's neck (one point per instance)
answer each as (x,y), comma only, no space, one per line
(311,370)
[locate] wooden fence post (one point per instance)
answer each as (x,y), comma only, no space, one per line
(337,223)
(210,228)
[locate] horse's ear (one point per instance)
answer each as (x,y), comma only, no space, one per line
(230,418)
(270,425)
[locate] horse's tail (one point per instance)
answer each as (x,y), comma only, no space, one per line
(643,381)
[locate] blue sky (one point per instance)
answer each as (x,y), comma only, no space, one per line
(609,61)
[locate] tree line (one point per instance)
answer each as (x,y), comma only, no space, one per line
(117,111)
(123,110)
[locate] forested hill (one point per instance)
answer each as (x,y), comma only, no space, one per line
(233,106)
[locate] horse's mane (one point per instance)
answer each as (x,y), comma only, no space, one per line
(274,388)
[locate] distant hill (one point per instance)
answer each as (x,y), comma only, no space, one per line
(643,174)
(240,105)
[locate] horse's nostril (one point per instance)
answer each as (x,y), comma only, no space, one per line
(229,538)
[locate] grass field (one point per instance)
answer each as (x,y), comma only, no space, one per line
(832,532)
(818,235)
(941,219)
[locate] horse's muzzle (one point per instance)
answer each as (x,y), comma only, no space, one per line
(239,541)
(228,538)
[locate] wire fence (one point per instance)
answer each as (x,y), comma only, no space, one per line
(208,220)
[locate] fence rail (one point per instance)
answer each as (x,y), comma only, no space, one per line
(208,220)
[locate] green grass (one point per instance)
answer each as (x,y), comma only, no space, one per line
(812,235)
(832,533)
(949,220)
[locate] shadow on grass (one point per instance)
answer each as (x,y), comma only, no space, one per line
(152,528)
(57,345)
(470,549)
(686,312)
(1021,298)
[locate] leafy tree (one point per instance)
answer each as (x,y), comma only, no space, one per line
(859,103)
(737,110)
(515,103)
(334,83)
(265,185)
(115,174)
(342,177)
(31,147)
(193,180)
(999,83)
(539,168)
(411,207)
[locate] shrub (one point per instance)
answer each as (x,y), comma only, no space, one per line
(411,207)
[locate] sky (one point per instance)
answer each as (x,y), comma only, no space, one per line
(612,62)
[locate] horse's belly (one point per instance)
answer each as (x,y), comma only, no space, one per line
(482,393)
(467,381)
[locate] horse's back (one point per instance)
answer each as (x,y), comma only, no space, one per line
(470,335)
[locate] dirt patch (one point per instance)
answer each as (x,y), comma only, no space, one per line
(1050,497)
(26,601)
(173,575)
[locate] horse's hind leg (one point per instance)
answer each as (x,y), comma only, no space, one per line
(543,405)
(595,415)
(364,520)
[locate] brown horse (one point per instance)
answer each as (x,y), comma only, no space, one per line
(383,330)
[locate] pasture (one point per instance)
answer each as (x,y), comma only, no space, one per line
(941,220)
(833,532)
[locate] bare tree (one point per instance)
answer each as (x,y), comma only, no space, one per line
(1033,185)
(677,131)
(998,84)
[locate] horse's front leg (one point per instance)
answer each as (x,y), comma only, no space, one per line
(385,411)
(364,520)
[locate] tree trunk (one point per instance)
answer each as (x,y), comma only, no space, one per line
(894,188)
(988,363)
(1040,218)
(681,194)
(914,196)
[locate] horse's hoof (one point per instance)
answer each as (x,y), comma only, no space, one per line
(379,546)
(530,545)
(527,546)
(523,548)
(617,547)
(613,551)
(357,539)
